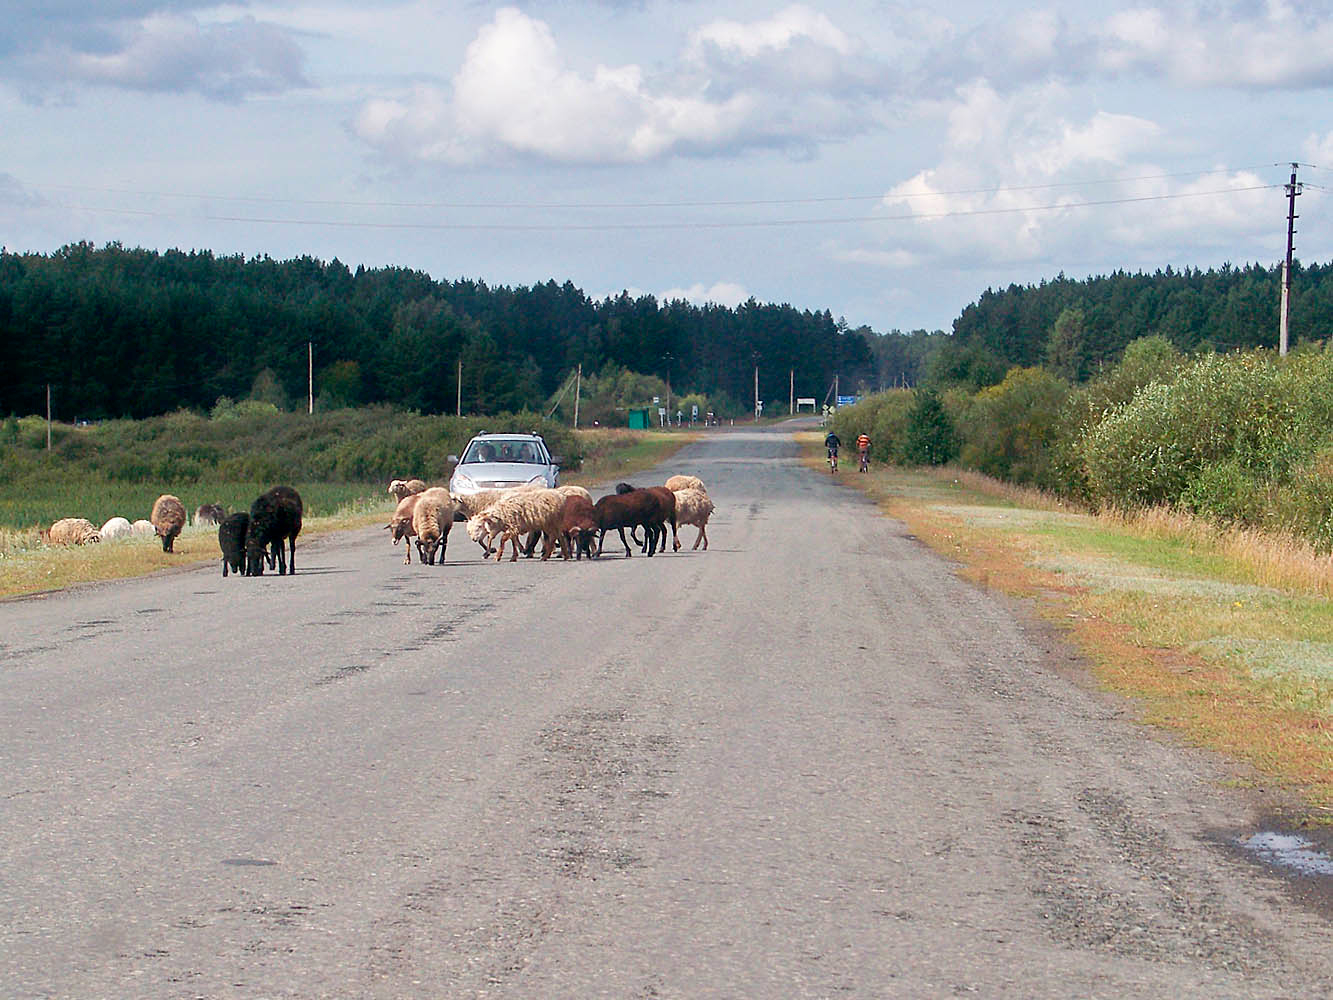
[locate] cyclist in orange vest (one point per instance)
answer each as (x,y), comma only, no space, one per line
(863,447)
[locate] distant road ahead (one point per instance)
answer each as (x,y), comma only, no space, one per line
(808,762)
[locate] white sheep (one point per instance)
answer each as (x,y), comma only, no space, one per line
(142,527)
(116,527)
(401,488)
(519,513)
(73,531)
(694,507)
(574,491)
(685,483)
(431,520)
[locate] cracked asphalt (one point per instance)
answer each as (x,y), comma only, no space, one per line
(809,762)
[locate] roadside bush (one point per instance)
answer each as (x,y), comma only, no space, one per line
(882,415)
(1008,430)
(929,437)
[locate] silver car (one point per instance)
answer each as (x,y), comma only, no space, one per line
(499,461)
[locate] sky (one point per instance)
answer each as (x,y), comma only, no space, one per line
(886,162)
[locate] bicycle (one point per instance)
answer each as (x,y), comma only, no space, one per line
(865,461)
(832,461)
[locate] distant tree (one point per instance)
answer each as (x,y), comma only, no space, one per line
(930,438)
(339,385)
(267,389)
(1067,346)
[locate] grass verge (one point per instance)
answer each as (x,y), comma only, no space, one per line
(1223,637)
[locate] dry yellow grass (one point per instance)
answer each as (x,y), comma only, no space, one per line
(1222,636)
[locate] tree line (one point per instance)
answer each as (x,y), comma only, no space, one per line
(122,332)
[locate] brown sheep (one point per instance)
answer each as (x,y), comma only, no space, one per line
(400,525)
(168,518)
(578,526)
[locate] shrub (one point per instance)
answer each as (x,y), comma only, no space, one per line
(1008,429)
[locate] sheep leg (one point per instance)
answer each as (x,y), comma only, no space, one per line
(702,537)
(628,553)
(291,559)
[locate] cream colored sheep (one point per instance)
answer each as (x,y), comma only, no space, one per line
(115,527)
(400,525)
(431,520)
(142,527)
(74,531)
(401,488)
(168,519)
(685,483)
(574,491)
(521,512)
(694,507)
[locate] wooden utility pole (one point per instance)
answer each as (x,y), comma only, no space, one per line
(310,374)
(1293,189)
(756,394)
(48,416)
(791,393)
(578,386)
(460,387)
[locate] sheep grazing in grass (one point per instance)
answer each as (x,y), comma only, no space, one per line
(400,525)
(73,531)
(401,488)
(275,518)
(168,519)
(142,527)
(520,513)
(231,540)
(210,513)
(115,527)
(432,518)
(678,483)
(694,507)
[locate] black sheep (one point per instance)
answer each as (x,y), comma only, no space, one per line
(275,517)
(231,539)
(629,510)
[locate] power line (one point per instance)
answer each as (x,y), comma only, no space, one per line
(601,206)
(739,224)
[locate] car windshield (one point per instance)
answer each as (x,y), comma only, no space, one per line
(505,450)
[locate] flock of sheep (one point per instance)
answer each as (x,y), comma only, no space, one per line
(166,521)
(566,517)
(265,535)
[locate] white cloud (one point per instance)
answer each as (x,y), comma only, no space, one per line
(515,94)
(779,33)
(722,293)
(1017,180)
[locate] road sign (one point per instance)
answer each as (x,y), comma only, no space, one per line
(847,400)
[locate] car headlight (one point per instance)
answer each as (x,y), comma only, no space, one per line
(537,479)
(463,484)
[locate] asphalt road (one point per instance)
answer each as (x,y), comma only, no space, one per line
(810,762)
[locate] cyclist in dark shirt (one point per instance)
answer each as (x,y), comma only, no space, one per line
(832,443)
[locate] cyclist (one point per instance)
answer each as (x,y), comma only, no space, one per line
(832,443)
(863,448)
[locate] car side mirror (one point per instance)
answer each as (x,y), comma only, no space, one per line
(557,460)
(452,459)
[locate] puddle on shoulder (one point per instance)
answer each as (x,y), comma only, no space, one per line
(1288,851)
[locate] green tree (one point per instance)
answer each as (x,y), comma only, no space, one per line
(930,438)
(1067,346)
